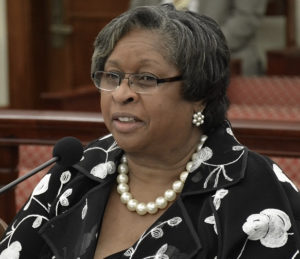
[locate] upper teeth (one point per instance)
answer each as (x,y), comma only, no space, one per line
(126,119)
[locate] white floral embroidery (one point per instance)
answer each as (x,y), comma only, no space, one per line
(282,177)
(14,227)
(174,221)
(201,156)
(270,226)
(212,220)
(230,132)
(37,223)
(64,178)
(129,252)
(12,252)
(105,137)
(63,199)
(103,169)
(294,256)
(41,187)
(113,147)
(156,232)
(160,254)
(218,170)
(220,194)
(84,210)
(237,148)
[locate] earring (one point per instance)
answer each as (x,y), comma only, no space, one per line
(198,118)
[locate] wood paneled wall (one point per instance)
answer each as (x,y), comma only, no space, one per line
(37,64)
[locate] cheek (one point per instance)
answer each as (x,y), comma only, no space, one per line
(165,114)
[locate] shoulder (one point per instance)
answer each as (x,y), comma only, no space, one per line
(265,169)
(264,208)
(266,184)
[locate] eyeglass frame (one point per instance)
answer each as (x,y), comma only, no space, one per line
(122,75)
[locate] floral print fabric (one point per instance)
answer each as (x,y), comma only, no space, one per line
(235,204)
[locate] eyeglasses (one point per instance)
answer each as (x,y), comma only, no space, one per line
(140,83)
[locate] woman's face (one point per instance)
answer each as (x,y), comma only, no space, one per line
(151,122)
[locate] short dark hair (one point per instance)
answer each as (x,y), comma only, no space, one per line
(193,42)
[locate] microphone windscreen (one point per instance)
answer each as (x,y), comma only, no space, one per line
(69,151)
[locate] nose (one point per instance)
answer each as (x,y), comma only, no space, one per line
(124,94)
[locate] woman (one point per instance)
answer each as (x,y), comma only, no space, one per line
(171,181)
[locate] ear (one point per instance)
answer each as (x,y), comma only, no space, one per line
(198,106)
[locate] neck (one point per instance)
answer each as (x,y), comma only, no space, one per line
(160,167)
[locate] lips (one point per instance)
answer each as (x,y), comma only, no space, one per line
(125,117)
(126,123)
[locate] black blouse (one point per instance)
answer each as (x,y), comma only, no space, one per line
(235,204)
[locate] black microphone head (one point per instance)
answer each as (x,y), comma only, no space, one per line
(69,150)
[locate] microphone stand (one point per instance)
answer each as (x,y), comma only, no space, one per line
(24,177)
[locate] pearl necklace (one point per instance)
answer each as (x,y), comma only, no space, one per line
(161,202)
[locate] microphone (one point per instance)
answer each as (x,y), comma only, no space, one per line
(66,152)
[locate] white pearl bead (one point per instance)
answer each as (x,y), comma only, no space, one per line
(122,187)
(122,178)
(183,176)
(177,186)
(151,207)
(189,166)
(131,204)
(123,169)
(125,197)
(141,208)
(124,159)
(170,195)
(194,156)
(203,138)
(161,202)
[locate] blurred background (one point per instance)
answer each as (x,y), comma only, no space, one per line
(46,46)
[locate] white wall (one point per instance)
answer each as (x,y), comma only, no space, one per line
(4,100)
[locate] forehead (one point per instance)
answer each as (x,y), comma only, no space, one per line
(147,45)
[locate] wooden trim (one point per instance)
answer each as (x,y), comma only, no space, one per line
(46,127)
(272,138)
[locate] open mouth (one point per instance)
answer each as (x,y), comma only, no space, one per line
(126,123)
(126,119)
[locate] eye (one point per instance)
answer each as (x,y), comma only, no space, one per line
(111,76)
(146,79)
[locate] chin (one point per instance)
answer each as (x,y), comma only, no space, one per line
(127,143)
